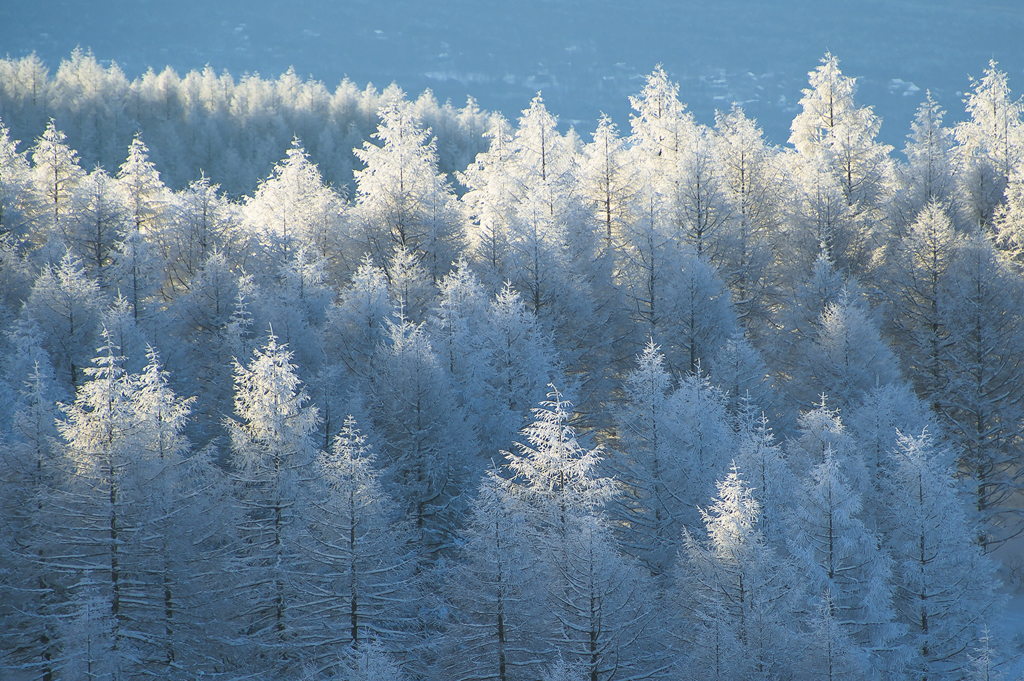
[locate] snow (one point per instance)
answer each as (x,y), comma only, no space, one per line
(594,51)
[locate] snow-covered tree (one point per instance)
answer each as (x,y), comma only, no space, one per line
(945,588)
(14,169)
(293,208)
(733,593)
(594,600)
(55,172)
(426,443)
(402,201)
(64,302)
(838,555)
(360,585)
(750,176)
(272,460)
(496,628)
(982,400)
(991,145)
(929,176)
(838,151)
(849,357)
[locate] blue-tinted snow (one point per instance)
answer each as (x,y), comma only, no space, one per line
(586,56)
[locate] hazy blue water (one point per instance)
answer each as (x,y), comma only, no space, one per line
(586,56)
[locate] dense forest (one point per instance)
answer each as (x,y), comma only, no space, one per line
(309,385)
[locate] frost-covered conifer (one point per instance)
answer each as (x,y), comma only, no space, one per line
(402,201)
(272,461)
(944,587)
(733,594)
(64,302)
(991,145)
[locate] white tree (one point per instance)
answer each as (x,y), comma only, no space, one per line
(361,587)
(55,172)
(594,599)
(426,442)
(65,303)
(838,151)
(991,145)
(915,273)
(750,176)
(293,208)
(849,357)
(733,593)
(945,589)
(929,174)
(496,629)
(982,400)
(96,219)
(14,169)
(402,201)
(839,556)
(272,459)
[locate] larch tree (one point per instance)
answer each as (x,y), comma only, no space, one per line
(929,175)
(426,443)
(55,172)
(836,143)
(653,505)
(733,593)
(983,397)
(402,201)
(749,176)
(495,631)
(14,178)
(293,208)
(361,586)
(272,459)
(65,302)
(594,599)
(838,555)
(944,587)
(96,221)
(991,145)
(849,357)
(915,275)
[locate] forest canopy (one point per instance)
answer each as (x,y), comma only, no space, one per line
(314,385)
